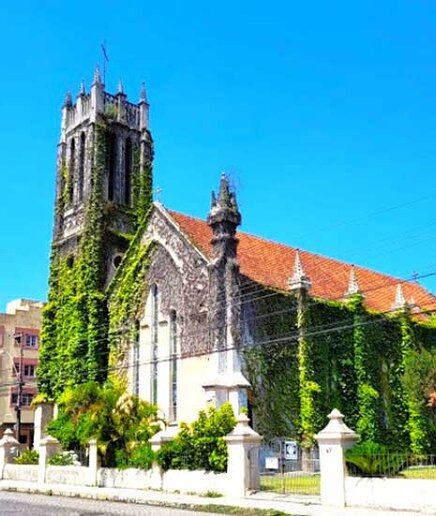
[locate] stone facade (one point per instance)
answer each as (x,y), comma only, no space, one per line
(129,139)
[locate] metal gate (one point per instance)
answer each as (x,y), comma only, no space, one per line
(285,468)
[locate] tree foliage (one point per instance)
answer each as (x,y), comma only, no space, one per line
(121,423)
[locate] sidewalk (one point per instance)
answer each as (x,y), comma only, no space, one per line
(298,506)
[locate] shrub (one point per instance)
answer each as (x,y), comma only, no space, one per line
(374,460)
(27,457)
(201,444)
(121,423)
(68,458)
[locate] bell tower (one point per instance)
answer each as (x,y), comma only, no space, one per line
(104,162)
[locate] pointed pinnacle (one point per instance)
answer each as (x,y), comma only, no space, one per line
(400,300)
(82,90)
(143,94)
(68,102)
(97,78)
(353,285)
(120,87)
(298,280)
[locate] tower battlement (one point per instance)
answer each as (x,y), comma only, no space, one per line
(98,102)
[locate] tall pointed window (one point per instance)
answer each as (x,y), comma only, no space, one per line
(71,171)
(113,158)
(81,175)
(154,341)
(135,382)
(173,365)
(127,171)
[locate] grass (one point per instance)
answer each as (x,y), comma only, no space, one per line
(240,511)
(298,484)
(423,472)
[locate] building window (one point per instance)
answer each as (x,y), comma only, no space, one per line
(29,370)
(26,398)
(81,175)
(136,361)
(71,172)
(127,171)
(31,341)
(173,365)
(113,158)
(154,342)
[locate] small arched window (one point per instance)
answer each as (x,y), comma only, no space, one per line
(81,175)
(128,171)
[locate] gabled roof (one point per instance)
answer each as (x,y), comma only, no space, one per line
(271,264)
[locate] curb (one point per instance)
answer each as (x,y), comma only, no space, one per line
(187,506)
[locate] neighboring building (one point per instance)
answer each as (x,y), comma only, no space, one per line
(184,311)
(19,343)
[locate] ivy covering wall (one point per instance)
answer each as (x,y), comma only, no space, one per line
(75,332)
(308,359)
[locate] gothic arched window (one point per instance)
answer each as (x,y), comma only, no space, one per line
(81,175)
(135,382)
(113,157)
(127,171)
(154,341)
(173,365)
(71,171)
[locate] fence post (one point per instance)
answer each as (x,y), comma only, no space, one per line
(242,444)
(47,447)
(333,441)
(93,462)
(7,445)
(43,415)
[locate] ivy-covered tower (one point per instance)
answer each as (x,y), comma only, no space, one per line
(103,190)
(105,134)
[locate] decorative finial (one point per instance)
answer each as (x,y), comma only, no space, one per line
(224,205)
(143,94)
(353,285)
(97,78)
(120,87)
(400,300)
(68,101)
(82,90)
(298,280)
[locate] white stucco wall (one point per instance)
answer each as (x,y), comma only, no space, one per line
(391,493)
(26,473)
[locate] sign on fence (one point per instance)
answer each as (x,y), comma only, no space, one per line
(291,450)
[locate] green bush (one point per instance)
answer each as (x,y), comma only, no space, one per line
(201,444)
(375,460)
(27,457)
(63,459)
(121,423)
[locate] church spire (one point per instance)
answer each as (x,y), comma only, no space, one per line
(400,301)
(353,285)
(298,280)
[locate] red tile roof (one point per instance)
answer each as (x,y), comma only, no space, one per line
(271,264)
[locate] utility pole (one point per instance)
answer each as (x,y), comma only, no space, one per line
(19,340)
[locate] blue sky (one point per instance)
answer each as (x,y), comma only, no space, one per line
(323,113)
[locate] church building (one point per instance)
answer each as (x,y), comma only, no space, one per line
(188,313)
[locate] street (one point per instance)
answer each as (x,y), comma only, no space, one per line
(39,505)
